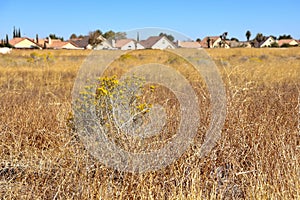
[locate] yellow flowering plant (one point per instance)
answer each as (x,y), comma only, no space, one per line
(116,103)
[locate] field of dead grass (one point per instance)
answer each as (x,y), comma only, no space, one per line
(258,156)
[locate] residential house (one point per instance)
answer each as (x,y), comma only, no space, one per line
(24,43)
(214,42)
(139,46)
(125,44)
(290,42)
(267,42)
(58,44)
(82,42)
(188,44)
(104,44)
(157,42)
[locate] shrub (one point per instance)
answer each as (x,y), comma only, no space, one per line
(285,45)
(274,44)
(110,98)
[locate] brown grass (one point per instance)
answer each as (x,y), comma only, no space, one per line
(256,158)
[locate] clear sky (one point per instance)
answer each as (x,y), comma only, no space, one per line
(194,18)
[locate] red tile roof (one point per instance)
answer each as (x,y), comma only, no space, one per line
(57,44)
(17,40)
(285,41)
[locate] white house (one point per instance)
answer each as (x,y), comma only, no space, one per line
(157,42)
(104,44)
(267,42)
(139,46)
(125,44)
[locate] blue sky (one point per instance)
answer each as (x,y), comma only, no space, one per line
(194,18)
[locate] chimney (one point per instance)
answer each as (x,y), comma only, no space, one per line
(113,43)
(49,40)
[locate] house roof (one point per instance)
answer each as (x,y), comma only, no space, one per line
(203,42)
(192,45)
(285,41)
(17,40)
(265,39)
(55,43)
(81,42)
(150,41)
(122,42)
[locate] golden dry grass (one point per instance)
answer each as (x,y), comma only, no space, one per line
(257,157)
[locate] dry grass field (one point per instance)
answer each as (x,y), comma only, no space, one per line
(258,156)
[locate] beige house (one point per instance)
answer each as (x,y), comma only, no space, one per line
(58,44)
(188,44)
(24,43)
(157,42)
(290,42)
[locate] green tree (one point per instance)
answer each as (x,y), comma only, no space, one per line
(248,35)
(73,36)
(6,40)
(19,32)
(14,32)
(198,40)
(285,45)
(208,42)
(37,38)
(53,36)
(120,35)
(169,36)
(234,39)
(109,34)
(224,36)
(274,37)
(259,37)
(285,37)
(94,37)
(274,44)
